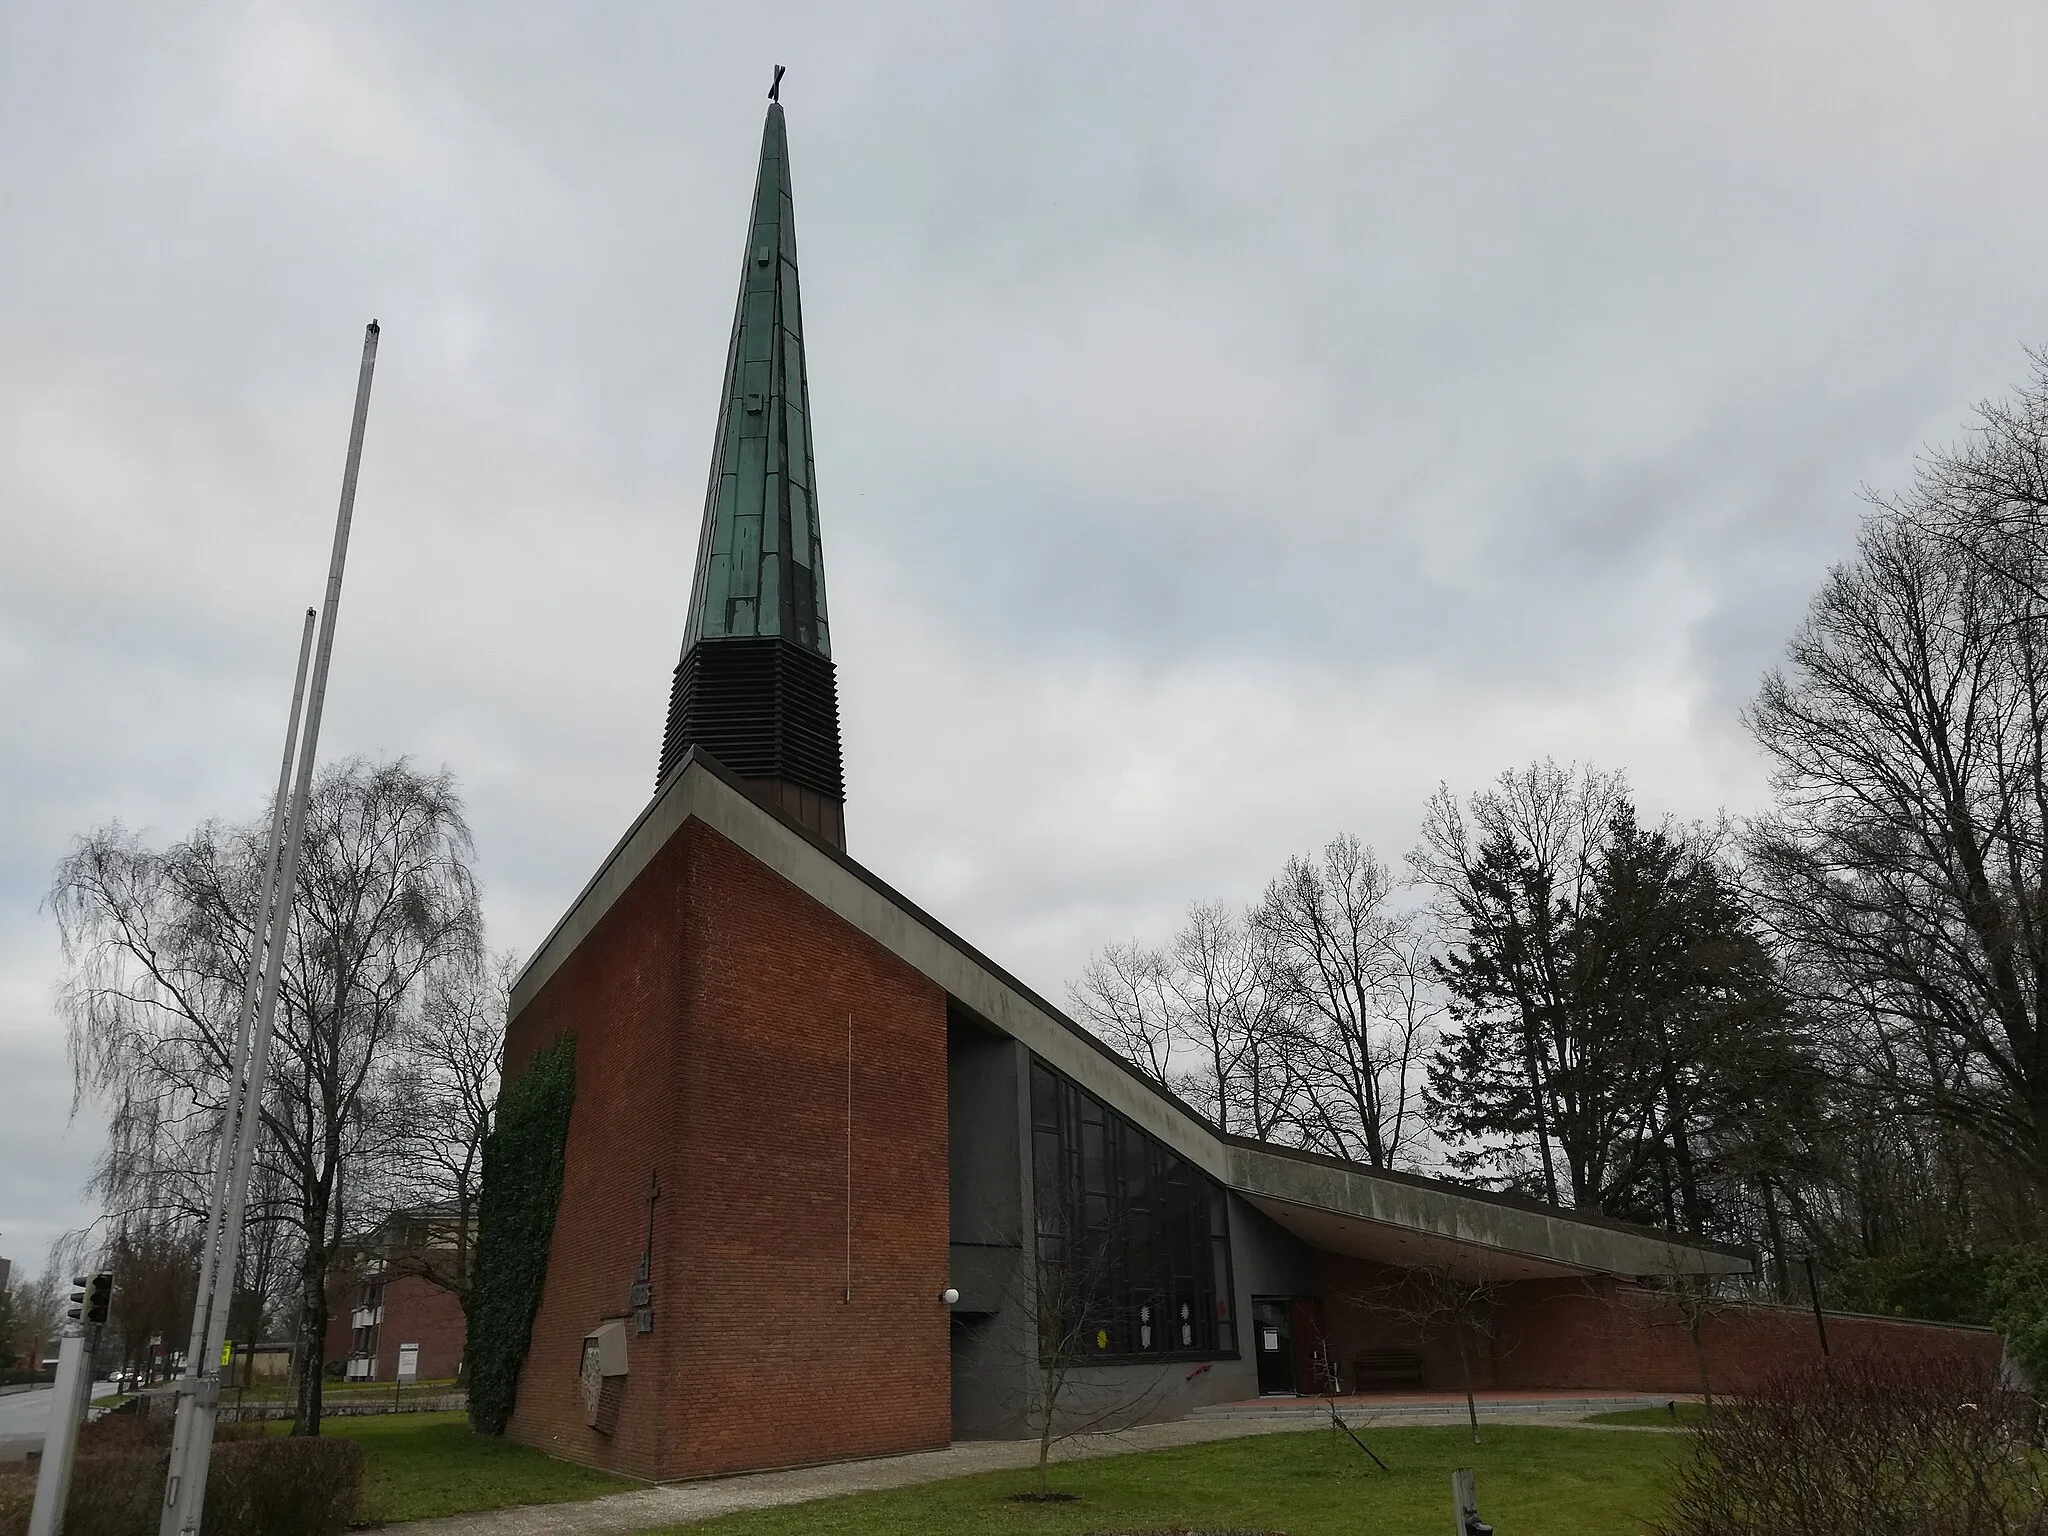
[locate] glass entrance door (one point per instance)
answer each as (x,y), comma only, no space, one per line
(1273,1339)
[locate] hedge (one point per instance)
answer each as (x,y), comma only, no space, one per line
(522,1185)
(2002,1288)
(263,1486)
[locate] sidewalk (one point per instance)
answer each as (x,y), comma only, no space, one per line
(1435,1407)
(649,1509)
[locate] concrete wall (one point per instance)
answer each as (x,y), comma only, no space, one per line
(711,1005)
(992,1334)
(1265,1260)
(998,1386)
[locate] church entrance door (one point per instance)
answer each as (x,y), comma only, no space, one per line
(1273,1336)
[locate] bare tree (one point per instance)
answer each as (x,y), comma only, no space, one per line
(1905,867)
(1357,971)
(448,1085)
(157,944)
(1125,998)
(1206,1016)
(34,1305)
(1987,496)
(1067,1306)
(1229,1012)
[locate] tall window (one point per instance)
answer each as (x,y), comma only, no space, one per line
(1133,1240)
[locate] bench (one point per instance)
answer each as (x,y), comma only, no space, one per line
(1385,1370)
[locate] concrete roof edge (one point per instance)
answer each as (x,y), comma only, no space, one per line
(699,786)
(1492,1197)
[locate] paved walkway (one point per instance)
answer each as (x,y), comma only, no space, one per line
(650,1509)
(1429,1407)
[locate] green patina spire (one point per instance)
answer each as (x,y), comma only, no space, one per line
(755,687)
(760,562)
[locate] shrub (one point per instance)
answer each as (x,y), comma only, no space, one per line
(2017,1290)
(515,1221)
(1935,1285)
(1908,1447)
(116,1493)
(267,1486)
(284,1486)
(17,1498)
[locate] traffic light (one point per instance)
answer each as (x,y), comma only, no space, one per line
(91,1299)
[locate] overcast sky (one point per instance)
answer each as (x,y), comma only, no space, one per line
(1230,421)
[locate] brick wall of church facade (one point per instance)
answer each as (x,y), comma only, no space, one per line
(711,1007)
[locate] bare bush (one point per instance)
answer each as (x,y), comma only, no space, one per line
(1877,1443)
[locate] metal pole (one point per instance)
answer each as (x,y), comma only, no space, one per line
(1820,1322)
(1465,1504)
(60,1438)
(239,1102)
(190,1497)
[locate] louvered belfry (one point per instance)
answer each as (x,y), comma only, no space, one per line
(755,686)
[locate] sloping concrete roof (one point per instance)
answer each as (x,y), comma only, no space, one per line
(1337,1206)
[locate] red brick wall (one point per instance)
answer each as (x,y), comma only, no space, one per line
(710,1008)
(1610,1334)
(1605,1335)
(415,1312)
(1347,1287)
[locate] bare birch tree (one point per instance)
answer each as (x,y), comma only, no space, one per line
(157,943)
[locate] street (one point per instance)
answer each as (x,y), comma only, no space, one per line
(25,1415)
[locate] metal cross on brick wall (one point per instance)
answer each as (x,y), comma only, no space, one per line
(641,1299)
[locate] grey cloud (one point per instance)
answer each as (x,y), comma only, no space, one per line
(1230,420)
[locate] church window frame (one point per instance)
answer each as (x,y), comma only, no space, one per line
(1133,1238)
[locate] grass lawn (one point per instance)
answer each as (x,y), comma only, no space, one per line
(273,1389)
(1689,1414)
(421,1464)
(1532,1482)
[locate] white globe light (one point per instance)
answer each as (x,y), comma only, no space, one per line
(949,1296)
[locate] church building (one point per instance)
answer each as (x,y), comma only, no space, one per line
(838,1185)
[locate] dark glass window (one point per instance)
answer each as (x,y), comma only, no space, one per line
(1133,1240)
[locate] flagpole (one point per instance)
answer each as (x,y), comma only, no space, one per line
(184,1503)
(238,1104)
